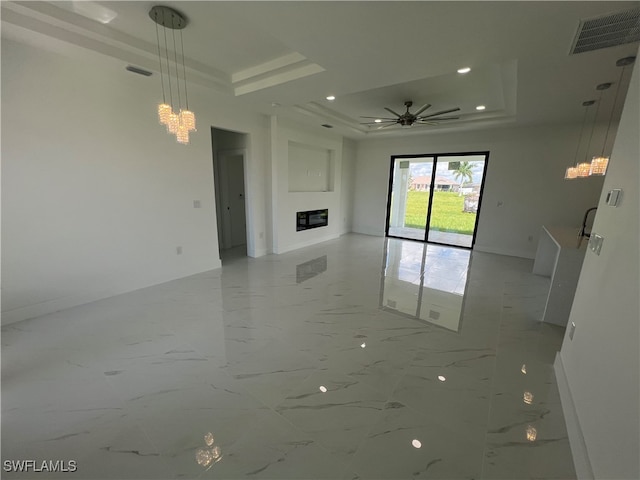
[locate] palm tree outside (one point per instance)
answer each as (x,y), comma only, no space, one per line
(463,173)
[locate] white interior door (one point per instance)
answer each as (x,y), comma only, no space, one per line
(233,199)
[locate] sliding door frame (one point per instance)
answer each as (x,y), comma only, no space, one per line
(434,157)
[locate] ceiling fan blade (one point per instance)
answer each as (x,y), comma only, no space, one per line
(387,126)
(441,118)
(391,111)
(379,123)
(441,112)
(379,118)
(428,105)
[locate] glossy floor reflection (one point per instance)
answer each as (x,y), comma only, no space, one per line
(425,282)
(296,366)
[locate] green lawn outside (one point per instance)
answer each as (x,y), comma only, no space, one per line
(446,213)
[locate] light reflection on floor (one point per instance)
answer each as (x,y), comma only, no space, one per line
(425,281)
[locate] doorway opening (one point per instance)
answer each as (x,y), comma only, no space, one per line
(436,198)
(229,157)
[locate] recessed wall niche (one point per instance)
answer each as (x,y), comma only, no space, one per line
(310,168)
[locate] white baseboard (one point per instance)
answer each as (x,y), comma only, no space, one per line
(258,253)
(375,231)
(82,298)
(502,251)
(308,243)
(54,305)
(576,438)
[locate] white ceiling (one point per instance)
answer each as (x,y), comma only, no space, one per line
(369,54)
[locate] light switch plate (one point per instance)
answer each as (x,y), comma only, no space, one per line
(613,197)
(595,243)
(572,330)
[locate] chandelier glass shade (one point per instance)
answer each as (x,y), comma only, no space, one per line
(174,115)
(571,173)
(164,111)
(583,169)
(599,165)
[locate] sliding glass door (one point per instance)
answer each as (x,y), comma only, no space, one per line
(436,198)
(409,199)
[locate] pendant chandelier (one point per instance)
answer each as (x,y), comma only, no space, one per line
(176,117)
(572,172)
(599,164)
(584,168)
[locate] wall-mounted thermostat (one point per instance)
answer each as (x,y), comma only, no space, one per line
(614,196)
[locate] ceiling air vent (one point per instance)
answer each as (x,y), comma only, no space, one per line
(138,70)
(607,31)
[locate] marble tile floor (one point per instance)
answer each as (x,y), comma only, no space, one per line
(294,366)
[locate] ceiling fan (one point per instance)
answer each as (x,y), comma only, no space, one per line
(408,119)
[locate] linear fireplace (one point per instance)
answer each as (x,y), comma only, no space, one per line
(312,219)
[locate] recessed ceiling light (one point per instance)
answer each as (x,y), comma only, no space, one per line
(323,389)
(331,98)
(416,443)
(464,70)
(480,107)
(377,120)
(363,345)
(442,378)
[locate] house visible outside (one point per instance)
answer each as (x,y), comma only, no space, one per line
(442,184)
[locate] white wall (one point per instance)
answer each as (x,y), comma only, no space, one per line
(349,155)
(95,195)
(525,173)
(287,203)
(310,169)
(601,363)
